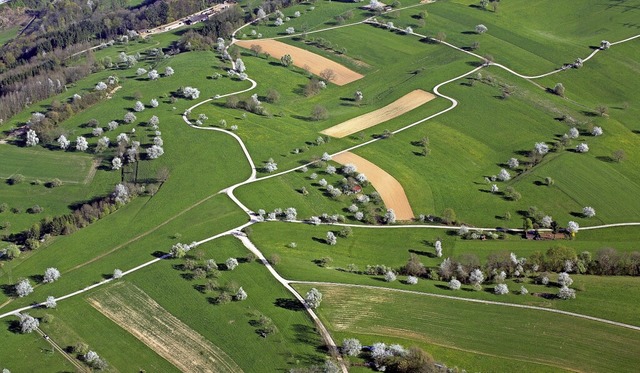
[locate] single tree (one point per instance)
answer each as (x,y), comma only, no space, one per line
(390,216)
(454,284)
(328,75)
(573,227)
(241,295)
(448,216)
(190,92)
(504,175)
(438,247)
(32,138)
(541,148)
(28,323)
(618,155)
(155,152)
(51,274)
(231,263)
(501,289)
(331,238)
(481,29)
(63,142)
(596,131)
(389,276)
(573,133)
(50,302)
(23,288)
(313,298)
(351,347)
(130,117)
(582,148)
(588,212)
(565,293)
(239,66)
(319,113)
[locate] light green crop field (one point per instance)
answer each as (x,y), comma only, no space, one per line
(8,34)
(519,37)
(507,335)
(39,164)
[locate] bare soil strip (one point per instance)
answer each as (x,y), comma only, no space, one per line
(136,312)
(389,188)
(304,59)
(400,106)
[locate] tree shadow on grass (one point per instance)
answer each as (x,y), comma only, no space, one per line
(13,326)
(606,159)
(423,253)
(305,334)
(289,304)
(319,240)
(158,254)
(187,276)
(441,286)
(201,288)
(8,290)
(38,279)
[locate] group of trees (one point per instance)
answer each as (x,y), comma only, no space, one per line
(37,57)
(393,358)
(82,216)
(45,125)
(201,268)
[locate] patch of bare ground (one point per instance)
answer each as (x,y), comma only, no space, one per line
(400,106)
(304,59)
(136,312)
(390,190)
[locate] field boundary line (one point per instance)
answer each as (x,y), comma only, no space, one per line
(472,300)
(324,332)
(452,227)
(57,347)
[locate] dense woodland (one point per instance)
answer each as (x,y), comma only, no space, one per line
(41,54)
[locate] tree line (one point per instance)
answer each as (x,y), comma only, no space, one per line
(83,215)
(42,54)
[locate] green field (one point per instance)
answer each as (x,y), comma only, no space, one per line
(8,34)
(39,164)
(229,326)
(503,337)
(498,116)
(393,248)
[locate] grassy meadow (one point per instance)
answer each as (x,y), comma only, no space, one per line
(467,145)
(393,247)
(504,338)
